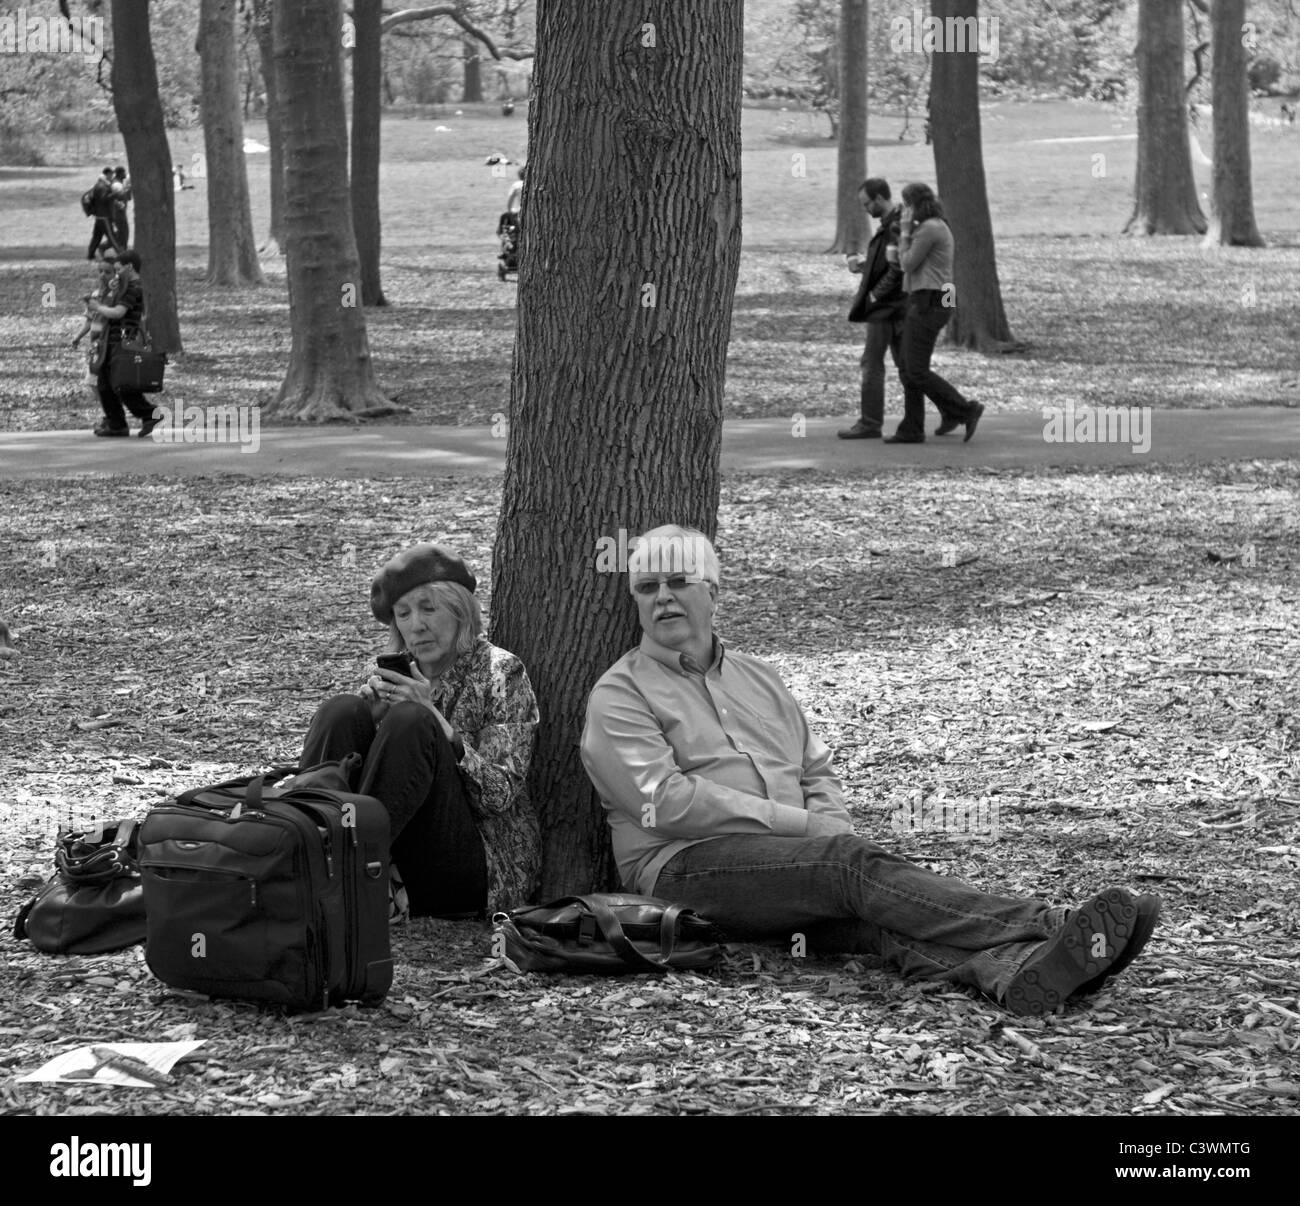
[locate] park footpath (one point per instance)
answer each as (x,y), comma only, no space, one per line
(1022,441)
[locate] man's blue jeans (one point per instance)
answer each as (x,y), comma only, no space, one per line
(844,893)
(882,337)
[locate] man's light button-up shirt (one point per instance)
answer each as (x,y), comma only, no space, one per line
(721,751)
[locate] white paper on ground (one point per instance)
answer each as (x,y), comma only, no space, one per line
(161,1057)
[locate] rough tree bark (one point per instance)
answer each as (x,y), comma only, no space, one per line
(266,53)
(627,273)
(330,375)
(367,81)
(1164,193)
(232,249)
(149,160)
(980,321)
(1232,219)
(852,229)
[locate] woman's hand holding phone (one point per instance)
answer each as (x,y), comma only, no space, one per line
(389,686)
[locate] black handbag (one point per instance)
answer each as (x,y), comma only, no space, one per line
(94,903)
(134,365)
(608,932)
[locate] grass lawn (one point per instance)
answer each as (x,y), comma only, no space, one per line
(1106,320)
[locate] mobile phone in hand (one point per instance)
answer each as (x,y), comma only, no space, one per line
(398,663)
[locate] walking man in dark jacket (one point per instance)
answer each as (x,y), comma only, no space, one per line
(880,304)
(101,209)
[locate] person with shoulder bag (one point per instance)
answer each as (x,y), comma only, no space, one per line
(124,316)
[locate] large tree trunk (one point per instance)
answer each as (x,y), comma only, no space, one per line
(149,160)
(330,374)
(979,320)
(851,226)
(472,92)
(631,245)
(1164,195)
(232,250)
(367,72)
(274,136)
(1232,220)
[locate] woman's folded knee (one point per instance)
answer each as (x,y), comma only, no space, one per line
(342,709)
(410,718)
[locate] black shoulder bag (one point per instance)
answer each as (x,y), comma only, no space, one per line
(94,903)
(607,932)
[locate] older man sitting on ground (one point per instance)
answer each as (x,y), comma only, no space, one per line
(720,796)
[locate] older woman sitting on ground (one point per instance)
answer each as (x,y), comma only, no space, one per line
(445,747)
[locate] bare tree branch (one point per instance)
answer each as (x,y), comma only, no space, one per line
(453,11)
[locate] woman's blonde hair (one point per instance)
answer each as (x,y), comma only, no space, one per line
(462,604)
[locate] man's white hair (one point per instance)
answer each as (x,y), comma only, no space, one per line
(673,549)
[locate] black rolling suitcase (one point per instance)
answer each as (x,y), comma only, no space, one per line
(271,889)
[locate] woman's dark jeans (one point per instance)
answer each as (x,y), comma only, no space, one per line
(926,316)
(410,767)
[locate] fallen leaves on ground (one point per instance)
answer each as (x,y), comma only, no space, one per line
(1037,683)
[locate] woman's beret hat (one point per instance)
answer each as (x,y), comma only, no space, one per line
(416,566)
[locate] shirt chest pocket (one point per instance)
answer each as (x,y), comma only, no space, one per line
(755,729)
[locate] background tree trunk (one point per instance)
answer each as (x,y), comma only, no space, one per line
(330,374)
(627,273)
(232,250)
(367,73)
(149,160)
(1232,220)
(980,321)
(1164,192)
(472,92)
(266,52)
(852,228)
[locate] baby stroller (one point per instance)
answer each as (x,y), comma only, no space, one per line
(508,233)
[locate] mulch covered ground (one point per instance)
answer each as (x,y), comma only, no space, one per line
(1102,665)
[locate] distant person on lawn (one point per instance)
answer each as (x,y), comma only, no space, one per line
(880,304)
(720,797)
(101,209)
(120,223)
(925,251)
(124,314)
(515,198)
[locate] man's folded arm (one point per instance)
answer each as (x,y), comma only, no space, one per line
(632,765)
(823,794)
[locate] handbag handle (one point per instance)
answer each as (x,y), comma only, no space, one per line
(103,863)
(612,928)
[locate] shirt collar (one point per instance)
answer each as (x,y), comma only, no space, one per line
(681,662)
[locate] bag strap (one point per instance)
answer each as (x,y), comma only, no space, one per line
(612,928)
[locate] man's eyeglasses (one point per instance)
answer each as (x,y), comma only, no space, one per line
(674,582)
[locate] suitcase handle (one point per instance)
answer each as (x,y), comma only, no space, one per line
(253,787)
